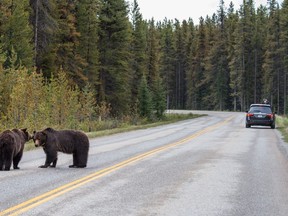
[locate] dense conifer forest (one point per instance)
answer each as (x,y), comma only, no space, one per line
(74,63)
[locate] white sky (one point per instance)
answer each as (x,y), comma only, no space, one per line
(185,9)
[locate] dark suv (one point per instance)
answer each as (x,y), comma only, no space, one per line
(260,114)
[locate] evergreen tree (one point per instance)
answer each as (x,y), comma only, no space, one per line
(284,45)
(260,35)
(16,32)
(115,55)
(190,67)
(218,72)
(67,54)
(138,49)
(145,99)
(153,55)
(159,102)
(181,46)
(234,65)
(272,62)
(209,81)
(198,68)
(87,25)
(245,53)
(45,23)
(168,62)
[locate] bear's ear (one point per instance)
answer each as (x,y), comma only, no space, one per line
(44,134)
(24,129)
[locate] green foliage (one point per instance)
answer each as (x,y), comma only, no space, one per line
(67,52)
(159,99)
(87,110)
(37,104)
(63,101)
(7,81)
(114,43)
(145,99)
(43,17)
(87,26)
(282,125)
(21,111)
(138,49)
(168,61)
(16,33)
(90,49)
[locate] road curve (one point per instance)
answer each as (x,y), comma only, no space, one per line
(211,165)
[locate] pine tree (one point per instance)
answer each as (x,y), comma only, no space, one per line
(245,53)
(272,64)
(181,43)
(168,62)
(234,61)
(284,45)
(260,35)
(145,99)
(159,102)
(87,25)
(115,55)
(210,77)
(190,67)
(153,55)
(217,73)
(16,32)
(44,20)
(138,49)
(67,54)
(197,69)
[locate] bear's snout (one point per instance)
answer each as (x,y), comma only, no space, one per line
(37,143)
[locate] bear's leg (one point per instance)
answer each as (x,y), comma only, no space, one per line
(16,160)
(79,160)
(8,162)
(50,157)
(1,163)
(54,163)
(74,165)
(7,155)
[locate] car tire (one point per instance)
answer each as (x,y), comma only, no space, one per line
(273,126)
(248,126)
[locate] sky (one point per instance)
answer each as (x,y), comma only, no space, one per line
(185,9)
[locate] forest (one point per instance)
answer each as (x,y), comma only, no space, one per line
(75,63)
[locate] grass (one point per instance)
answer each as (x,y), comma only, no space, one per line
(282,126)
(168,119)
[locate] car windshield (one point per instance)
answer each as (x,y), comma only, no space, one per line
(260,109)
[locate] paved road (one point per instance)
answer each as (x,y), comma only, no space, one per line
(212,165)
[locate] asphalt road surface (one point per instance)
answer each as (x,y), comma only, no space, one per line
(211,165)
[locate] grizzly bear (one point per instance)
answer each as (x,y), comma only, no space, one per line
(11,147)
(66,141)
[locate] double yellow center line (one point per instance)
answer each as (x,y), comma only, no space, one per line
(36,201)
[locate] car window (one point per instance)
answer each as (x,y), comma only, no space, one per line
(260,109)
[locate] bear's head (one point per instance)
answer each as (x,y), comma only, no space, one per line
(23,133)
(27,136)
(39,138)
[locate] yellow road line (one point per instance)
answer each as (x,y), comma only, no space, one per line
(36,201)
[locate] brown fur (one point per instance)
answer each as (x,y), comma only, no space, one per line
(66,141)
(11,147)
